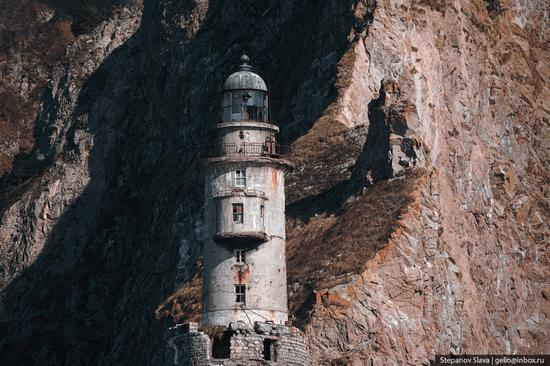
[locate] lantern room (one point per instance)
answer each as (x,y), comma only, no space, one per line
(244,96)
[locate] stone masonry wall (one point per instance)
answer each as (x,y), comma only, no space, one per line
(187,346)
(190,347)
(248,344)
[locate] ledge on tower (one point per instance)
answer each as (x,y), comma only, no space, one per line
(243,237)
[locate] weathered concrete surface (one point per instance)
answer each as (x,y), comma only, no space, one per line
(86,251)
(264,273)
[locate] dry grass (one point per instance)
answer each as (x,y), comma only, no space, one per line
(324,250)
(184,305)
(326,132)
(324,157)
(345,69)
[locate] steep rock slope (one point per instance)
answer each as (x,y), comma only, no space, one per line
(465,270)
(418,130)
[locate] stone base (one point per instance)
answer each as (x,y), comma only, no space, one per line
(238,344)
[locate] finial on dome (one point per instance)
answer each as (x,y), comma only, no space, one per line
(245,59)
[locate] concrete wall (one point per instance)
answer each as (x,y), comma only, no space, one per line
(256,132)
(252,221)
(265,271)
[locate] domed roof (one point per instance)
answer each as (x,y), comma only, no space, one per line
(244,78)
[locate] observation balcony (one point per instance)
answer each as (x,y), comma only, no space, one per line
(241,237)
(236,192)
(240,215)
(271,150)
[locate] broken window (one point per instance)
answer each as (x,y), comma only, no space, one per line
(270,350)
(245,105)
(238,213)
(240,178)
(236,107)
(240,256)
(226,107)
(240,293)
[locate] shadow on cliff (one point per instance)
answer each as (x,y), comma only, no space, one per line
(90,296)
(373,161)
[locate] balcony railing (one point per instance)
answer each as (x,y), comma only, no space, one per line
(239,192)
(249,149)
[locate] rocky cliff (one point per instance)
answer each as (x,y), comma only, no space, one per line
(417,216)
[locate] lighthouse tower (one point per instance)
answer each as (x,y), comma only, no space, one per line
(244,255)
(244,318)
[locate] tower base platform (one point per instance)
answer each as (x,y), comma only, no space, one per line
(238,344)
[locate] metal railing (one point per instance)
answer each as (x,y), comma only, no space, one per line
(248,148)
(238,191)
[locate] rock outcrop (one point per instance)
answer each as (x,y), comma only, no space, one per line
(420,134)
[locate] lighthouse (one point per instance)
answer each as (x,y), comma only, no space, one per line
(244,317)
(244,276)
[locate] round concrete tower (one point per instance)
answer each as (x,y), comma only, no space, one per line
(244,253)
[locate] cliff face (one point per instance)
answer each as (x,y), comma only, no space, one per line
(420,200)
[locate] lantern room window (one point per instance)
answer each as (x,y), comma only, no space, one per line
(245,105)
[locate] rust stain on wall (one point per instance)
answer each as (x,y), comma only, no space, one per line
(274,179)
(242,275)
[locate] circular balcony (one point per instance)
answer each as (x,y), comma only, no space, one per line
(240,192)
(248,149)
(241,237)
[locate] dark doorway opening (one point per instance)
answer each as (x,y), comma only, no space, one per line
(270,350)
(221,346)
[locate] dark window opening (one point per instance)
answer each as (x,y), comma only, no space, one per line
(240,256)
(270,350)
(240,292)
(238,213)
(262,209)
(221,346)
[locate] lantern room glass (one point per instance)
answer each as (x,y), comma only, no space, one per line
(245,105)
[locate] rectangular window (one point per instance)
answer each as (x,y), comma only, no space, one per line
(240,294)
(240,256)
(262,209)
(238,213)
(236,107)
(240,178)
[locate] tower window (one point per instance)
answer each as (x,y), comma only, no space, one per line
(240,256)
(238,213)
(262,209)
(240,178)
(240,293)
